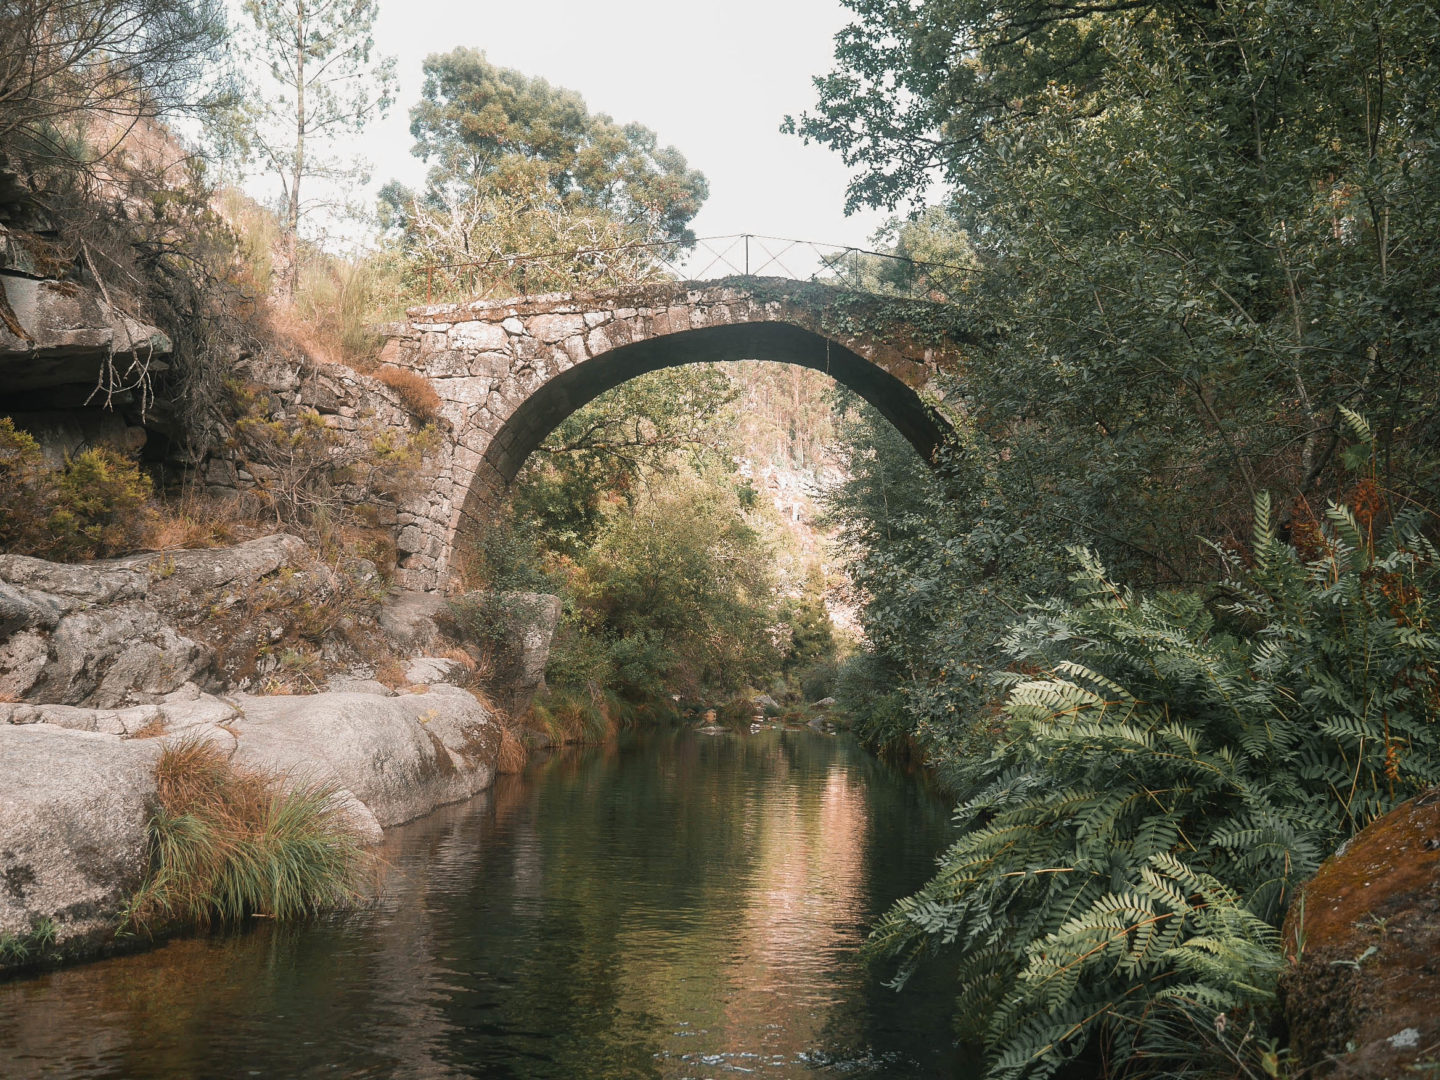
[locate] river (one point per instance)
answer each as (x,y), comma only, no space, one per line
(676,905)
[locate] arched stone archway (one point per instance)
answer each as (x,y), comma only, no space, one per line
(508,372)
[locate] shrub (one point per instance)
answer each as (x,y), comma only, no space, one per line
(865,693)
(97,505)
(26,489)
(103,507)
(736,712)
(1162,782)
(227,842)
(817,680)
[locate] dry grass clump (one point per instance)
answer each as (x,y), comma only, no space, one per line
(228,842)
(390,671)
(461,657)
(196,520)
(331,313)
(513,754)
(416,394)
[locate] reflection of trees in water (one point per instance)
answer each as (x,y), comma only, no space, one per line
(569,923)
(802,918)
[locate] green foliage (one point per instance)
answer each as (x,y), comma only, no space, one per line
(17,950)
(102,506)
(1204,239)
(96,506)
(944,558)
(681,590)
(812,639)
(661,423)
(1202,232)
(486,126)
(26,489)
(520,167)
(633,512)
(574,716)
(818,681)
(1162,781)
(866,692)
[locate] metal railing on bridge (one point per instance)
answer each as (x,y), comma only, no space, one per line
(704,259)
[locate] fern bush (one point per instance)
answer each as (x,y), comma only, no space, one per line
(1168,771)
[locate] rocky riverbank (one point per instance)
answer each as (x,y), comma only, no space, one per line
(103,665)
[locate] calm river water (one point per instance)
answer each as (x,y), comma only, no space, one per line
(678,905)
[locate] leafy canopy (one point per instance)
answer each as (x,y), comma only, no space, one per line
(486,127)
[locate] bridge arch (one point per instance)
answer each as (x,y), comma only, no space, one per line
(509,372)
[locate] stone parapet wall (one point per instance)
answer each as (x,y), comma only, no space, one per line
(357,408)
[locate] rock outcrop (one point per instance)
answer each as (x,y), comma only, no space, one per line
(60,333)
(532,619)
(103,664)
(408,619)
(75,365)
(393,758)
(1360,998)
(73,809)
(104,634)
(79,784)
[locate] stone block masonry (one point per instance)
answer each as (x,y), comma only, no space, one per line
(508,372)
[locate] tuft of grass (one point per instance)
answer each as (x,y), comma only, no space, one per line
(512,755)
(196,520)
(228,842)
(17,949)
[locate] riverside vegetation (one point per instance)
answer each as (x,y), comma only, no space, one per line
(669,565)
(1161,616)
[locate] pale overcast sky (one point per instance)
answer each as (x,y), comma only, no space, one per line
(713,80)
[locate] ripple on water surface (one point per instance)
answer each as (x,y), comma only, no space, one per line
(675,906)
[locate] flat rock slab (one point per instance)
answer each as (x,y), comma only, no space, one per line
(428,670)
(185,708)
(394,758)
(73,808)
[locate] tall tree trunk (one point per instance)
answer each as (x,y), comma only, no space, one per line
(292,223)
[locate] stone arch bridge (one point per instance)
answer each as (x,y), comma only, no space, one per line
(508,372)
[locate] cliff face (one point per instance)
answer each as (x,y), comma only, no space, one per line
(1362,997)
(74,367)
